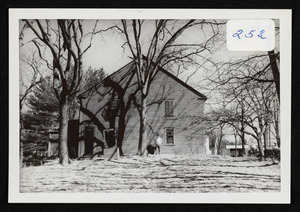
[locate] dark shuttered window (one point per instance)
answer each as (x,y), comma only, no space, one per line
(170,136)
(169,107)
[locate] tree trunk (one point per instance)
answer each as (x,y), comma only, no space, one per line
(21,143)
(242,130)
(266,135)
(235,143)
(21,154)
(121,131)
(275,71)
(216,146)
(260,148)
(219,146)
(278,138)
(276,122)
(143,123)
(63,132)
(220,141)
(243,144)
(260,135)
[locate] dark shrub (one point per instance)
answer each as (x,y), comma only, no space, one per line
(253,152)
(274,154)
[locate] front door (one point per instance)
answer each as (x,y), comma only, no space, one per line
(73,135)
(89,140)
(110,138)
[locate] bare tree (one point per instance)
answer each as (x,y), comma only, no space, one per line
(249,85)
(216,123)
(160,50)
(275,123)
(61,45)
(274,60)
(255,112)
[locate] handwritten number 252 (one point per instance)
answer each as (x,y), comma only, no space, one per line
(239,33)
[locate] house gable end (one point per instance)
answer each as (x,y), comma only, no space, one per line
(200,95)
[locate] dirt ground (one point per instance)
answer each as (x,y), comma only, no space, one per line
(155,173)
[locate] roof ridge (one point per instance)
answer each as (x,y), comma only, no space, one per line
(84,92)
(183,83)
(179,80)
(202,96)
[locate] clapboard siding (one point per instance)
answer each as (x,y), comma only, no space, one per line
(188,103)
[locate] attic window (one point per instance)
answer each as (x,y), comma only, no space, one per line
(114,104)
(169,107)
(114,107)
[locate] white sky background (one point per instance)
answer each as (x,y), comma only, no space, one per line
(107,52)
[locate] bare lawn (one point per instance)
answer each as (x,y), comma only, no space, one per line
(155,173)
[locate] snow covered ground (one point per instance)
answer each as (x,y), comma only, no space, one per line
(154,173)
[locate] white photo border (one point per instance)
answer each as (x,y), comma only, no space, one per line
(283,15)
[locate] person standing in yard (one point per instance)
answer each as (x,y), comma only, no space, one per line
(158,142)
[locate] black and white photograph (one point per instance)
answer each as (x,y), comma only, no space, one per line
(170,103)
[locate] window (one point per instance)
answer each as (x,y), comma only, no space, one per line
(104,114)
(114,107)
(170,136)
(114,104)
(110,137)
(169,107)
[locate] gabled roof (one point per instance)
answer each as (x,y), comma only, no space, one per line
(129,65)
(201,96)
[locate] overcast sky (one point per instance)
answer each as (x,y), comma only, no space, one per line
(107,52)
